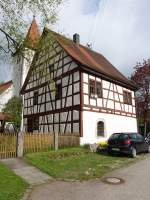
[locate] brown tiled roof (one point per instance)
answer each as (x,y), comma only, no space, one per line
(5,86)
(89,60)
(4,116)
(32,36)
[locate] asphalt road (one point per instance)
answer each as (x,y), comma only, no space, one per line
(135,187)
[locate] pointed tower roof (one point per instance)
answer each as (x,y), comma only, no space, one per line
(32,36)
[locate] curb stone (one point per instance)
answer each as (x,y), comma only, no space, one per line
(27,194)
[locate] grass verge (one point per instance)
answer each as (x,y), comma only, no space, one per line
(12,187)
(77,163)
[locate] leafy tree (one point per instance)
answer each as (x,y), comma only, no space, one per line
(14,108)
(141,77)
(15,19)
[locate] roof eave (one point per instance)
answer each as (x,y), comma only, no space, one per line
(108,78)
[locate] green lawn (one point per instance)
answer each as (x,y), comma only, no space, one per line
(11,186)
(77,163)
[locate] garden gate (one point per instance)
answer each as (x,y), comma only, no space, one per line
(8,145)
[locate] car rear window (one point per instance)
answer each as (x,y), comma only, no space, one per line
(115,136)
(119,136)
(133,136)
(123,136)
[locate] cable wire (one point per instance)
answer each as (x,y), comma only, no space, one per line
(102,6)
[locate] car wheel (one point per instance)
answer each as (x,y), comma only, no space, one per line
(133,153)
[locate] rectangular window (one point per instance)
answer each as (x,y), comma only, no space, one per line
(35,98)
(40,74)
(58,94)
(100,129)
(127,97)
(92,87)
(95,88)
(124,97)
(51,68)
(99,89)
(36,124)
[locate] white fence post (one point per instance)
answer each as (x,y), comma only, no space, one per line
(20,144)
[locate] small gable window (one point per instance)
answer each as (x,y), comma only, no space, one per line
(51,68)
(35,98)
(127,97)
(100,129)
(58,94)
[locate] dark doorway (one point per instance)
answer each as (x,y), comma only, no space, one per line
(30,125)
(33,124)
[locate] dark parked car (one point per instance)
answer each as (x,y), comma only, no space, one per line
(128,143)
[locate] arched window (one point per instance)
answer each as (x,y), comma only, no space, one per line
(100,129)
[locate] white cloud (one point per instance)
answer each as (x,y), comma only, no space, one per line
(120,30)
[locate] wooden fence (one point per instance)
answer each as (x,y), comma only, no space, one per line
(36,142)
(8,145)
(68,140)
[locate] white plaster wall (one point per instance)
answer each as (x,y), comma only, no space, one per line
(111,92)
(17,74)
(20,70)
(113,123)
(26,64)
(5,96)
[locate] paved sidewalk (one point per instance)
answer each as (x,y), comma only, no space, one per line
(135,187)
(30,174)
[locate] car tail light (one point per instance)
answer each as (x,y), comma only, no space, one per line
(127,142)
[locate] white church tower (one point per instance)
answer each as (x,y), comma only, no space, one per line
(23,61)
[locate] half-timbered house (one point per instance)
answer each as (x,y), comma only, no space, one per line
(73,89)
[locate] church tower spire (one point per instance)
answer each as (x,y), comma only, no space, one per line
(22,64)
(33,35)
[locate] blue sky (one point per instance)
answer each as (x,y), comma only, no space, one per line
(118,29)
(90,7)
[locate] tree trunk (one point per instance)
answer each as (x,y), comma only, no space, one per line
(138,126)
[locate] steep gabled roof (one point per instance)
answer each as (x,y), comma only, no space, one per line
(33,35)
(89,60)
(5,86)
